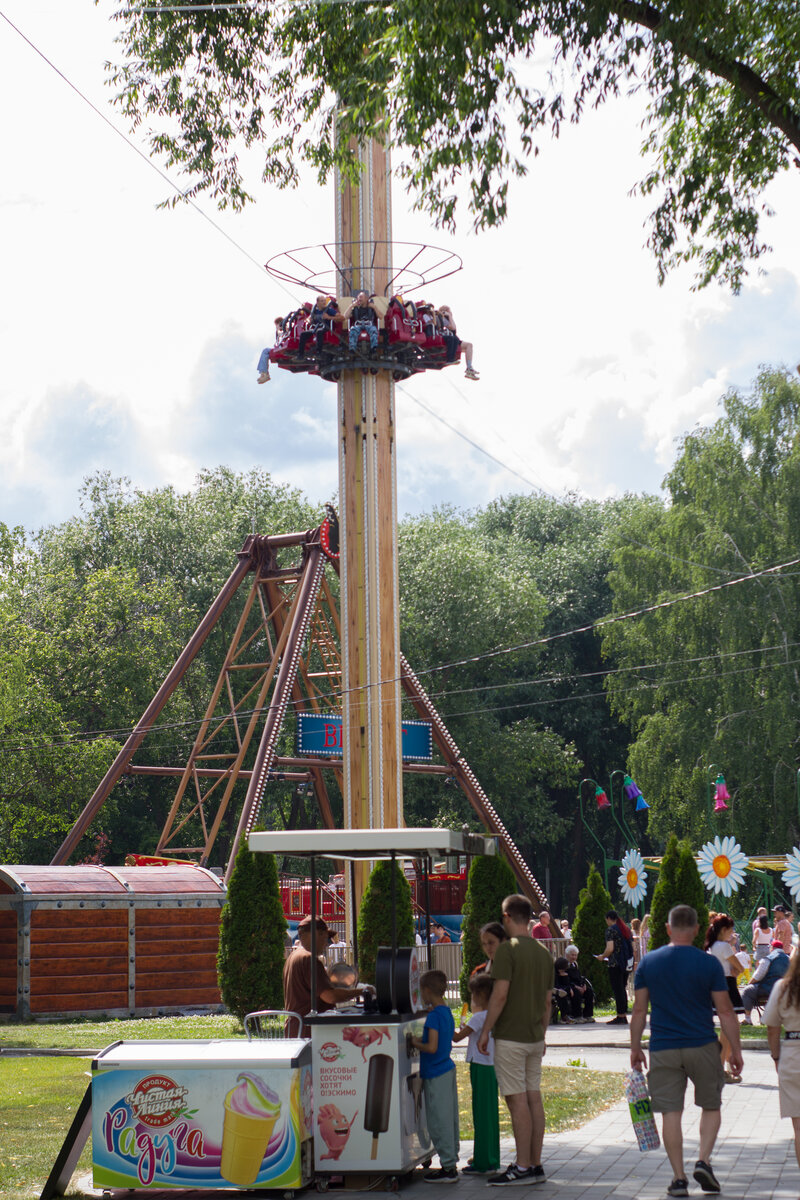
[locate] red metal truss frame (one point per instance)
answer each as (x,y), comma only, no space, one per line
(284,650)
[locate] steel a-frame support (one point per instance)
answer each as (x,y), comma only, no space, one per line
(284,651)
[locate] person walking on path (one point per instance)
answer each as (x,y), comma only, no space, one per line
(518,1015)
(783,1009)
(719,942)
(681,984)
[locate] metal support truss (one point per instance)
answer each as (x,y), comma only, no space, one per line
(285,650)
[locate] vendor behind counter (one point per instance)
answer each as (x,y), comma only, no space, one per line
(297,977)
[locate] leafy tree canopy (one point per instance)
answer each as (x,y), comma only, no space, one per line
(589,933)
(721,84)
(375,916)
(679,882)
(719,689)
(252,935)
(489,881)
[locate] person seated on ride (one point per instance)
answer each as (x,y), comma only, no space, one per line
(363,318)
(426,319)
(453,341)
(263,362)
(320,322)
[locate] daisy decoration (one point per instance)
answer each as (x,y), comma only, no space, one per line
(632,877)
(791,876)
(721,864)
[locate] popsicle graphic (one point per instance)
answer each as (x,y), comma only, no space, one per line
(251,1110)
(379,1098)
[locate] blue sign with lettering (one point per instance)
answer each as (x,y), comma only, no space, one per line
(320,735)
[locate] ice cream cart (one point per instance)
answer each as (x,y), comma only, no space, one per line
(202,1114)
(369,1108)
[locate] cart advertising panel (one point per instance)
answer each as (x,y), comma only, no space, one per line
(369,1107)
(202,1115)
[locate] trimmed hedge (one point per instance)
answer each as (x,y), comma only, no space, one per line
(252,936)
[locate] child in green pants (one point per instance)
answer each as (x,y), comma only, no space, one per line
(485,1115)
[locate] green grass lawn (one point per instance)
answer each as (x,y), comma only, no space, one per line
(38,1099)
(39,1095)
(572,1096)
(94,1035)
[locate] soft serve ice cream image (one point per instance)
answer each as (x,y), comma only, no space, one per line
(251,1112)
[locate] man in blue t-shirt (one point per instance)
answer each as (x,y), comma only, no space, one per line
(682,984)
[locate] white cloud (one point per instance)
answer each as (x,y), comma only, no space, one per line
(149,323)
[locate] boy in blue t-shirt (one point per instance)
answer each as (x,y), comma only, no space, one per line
(438,1073)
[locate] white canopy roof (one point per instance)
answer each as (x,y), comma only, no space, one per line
(370,843)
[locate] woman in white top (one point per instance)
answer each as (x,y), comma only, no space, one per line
(718,942)
(762,938)
(783,1009)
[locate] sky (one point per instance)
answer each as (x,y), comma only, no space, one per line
(129,335)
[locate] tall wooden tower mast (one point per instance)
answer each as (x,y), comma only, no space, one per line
(373,783)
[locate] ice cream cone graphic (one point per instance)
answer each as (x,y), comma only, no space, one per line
(251,1112)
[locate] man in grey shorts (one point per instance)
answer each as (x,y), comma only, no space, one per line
(681,984)
(518,1013)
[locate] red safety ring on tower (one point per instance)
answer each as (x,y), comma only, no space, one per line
(324,540)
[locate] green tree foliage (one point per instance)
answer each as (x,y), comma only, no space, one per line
(489,881)
(720,83)
(679,882)
(252,936)
(566,546)
(664,895)
(375,916)
(722,679)
(690,886)
(93,613)
(589,933)
(462,592)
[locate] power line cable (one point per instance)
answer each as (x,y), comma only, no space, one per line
(459,433)
(538,487)
(644,685)
(613,619)
(194,722)
(162,175)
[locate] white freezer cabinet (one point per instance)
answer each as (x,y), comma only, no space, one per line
(202,1114)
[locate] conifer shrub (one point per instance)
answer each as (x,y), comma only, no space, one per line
(252,936)
(375,916)
(679,882)
(590,933)
(489,881)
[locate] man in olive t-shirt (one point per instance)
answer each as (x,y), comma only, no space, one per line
(518,1014)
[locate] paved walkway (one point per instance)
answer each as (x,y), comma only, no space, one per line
(754,1156)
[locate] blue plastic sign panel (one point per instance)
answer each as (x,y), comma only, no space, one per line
(320,735)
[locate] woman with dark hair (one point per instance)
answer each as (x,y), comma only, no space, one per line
(762,937)
(492,935)
(718,942)
(783,1009)
(617,954)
